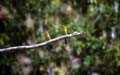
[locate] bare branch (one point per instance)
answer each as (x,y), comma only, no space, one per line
(40,44)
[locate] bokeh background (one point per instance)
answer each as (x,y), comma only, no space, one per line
(27,22)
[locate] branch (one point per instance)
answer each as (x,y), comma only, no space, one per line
(40,44)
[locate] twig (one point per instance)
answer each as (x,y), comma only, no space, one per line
(40,44)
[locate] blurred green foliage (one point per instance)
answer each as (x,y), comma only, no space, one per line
(95,18)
